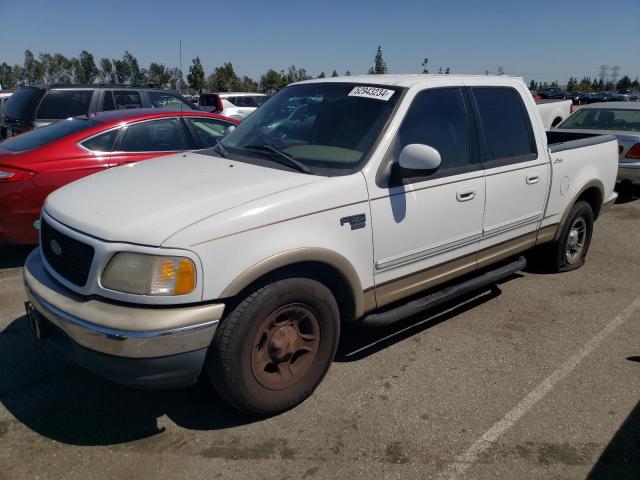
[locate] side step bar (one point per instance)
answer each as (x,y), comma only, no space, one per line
(401,312)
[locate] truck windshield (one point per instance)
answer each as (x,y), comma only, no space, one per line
(604,119)
(328,127)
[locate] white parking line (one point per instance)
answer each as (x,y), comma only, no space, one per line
(466,460)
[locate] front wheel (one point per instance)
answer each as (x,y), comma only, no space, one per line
(273,349)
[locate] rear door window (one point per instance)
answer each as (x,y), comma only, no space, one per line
(505,126)
(58,104)
(163,135)
(125,99)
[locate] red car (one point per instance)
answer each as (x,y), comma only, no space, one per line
(34,164)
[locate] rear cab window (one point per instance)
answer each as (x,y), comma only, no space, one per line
(506,132)
(64,103)
(245,102)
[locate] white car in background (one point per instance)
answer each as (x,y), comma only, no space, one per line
(238,105)
(621,119)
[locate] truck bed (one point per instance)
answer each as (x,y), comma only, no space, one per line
(559,141)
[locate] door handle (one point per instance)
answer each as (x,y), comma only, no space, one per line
(465,194)
(533,178)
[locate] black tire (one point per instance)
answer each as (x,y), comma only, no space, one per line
(556,255)
(231,366)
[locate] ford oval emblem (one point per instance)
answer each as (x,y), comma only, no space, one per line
(55,247)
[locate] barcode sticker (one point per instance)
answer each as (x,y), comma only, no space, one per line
(372,92)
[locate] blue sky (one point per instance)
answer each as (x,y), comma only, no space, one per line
(543,40)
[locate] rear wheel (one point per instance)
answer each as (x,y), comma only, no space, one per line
(570,250)
(274,348)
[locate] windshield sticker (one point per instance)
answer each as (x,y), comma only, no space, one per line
(372,92)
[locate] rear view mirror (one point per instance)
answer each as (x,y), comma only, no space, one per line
(417,156)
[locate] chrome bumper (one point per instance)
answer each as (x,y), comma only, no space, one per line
(102,326)
(629,171)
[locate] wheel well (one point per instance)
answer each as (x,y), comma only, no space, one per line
(593,197)
(324,273)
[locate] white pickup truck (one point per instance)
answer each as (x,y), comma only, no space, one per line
(357,199)
(553,112)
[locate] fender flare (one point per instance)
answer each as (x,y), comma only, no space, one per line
(363,301)
(593,183)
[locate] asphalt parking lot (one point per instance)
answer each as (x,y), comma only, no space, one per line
(537,378)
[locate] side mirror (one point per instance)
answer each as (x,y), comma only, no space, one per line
(417,156)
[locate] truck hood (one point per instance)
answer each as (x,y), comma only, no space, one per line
(146,202)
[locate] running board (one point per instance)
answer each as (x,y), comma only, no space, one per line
(401,312)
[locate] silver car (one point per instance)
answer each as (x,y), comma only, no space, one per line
(621,119)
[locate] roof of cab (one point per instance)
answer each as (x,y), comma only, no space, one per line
(404,80)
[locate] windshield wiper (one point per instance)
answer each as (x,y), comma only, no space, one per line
(218,147)
(292,162)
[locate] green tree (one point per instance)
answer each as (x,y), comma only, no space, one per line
(159,74)
(295,75)
(122,71)
(322,75)
(447,71)
(347,73)
(177,80)
(248,84)
(195,77)
(271,82)
(7,79)
(223,79)
(107,74)
(18,74)
(85,68)
(33,69)
(334,74)
(624,82)
(635,83)
(379,65)
(135,76)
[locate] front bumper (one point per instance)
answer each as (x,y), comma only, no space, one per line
(83,328)
(629,171)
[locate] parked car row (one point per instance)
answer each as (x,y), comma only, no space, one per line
(585,98)
(35,163)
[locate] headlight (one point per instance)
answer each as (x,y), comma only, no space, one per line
(144,274)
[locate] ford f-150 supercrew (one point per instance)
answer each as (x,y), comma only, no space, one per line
(357,199)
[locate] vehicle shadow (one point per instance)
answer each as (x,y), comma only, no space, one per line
(12,256)
(358,342)
(628,194)
(621,459)
(61,401)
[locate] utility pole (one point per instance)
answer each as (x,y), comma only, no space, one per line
(615,73)
(604,71)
